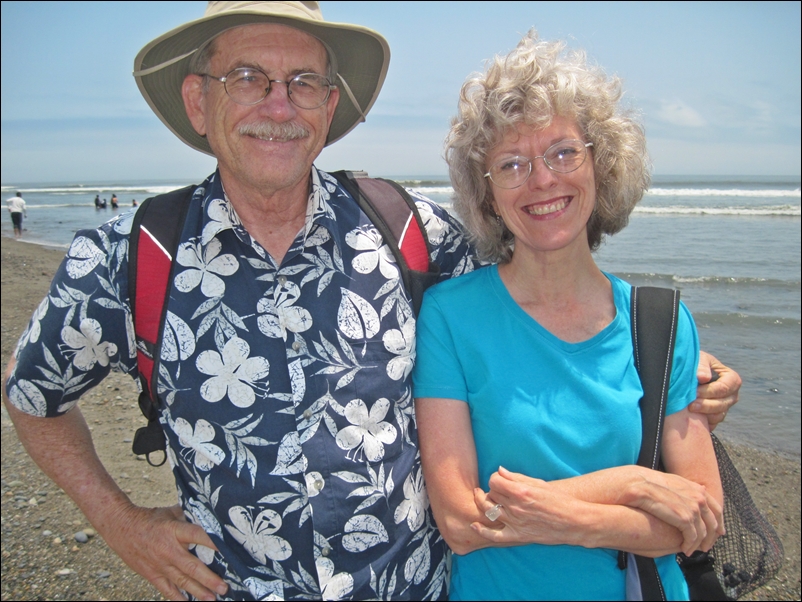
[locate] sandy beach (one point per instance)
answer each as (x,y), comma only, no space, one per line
(41,559)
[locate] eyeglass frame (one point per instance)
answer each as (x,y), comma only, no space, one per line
(530,160)
(270,83)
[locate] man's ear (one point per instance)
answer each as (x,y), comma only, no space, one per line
(331,104)
(192,93)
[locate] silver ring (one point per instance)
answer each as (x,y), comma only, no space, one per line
(494,512)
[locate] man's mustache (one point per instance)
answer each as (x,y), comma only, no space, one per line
(269,130)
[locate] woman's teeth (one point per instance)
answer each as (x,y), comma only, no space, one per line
(547,208)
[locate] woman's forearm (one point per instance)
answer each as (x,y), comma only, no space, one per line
(629,508)
(534,511)
(559,512)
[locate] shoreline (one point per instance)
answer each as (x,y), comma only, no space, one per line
(35,513)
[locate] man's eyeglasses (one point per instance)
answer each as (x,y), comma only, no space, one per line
(564,157)
(249,86)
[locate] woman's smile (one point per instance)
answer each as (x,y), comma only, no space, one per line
(548,209)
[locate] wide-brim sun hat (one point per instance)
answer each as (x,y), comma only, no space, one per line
(361,57)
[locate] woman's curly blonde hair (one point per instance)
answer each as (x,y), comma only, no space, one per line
(529,86)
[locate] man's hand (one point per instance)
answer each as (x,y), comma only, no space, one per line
(154,542)
(715,397)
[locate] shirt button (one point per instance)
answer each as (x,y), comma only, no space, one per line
(296,346)
(326,551)
(307,414)
(282,280)
(319,484)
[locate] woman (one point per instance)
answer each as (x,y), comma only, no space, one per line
(527,391)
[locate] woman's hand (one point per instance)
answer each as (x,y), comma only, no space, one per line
(688,452)
(531,510)
(681,503)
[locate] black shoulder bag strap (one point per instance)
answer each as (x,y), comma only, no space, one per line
(398,220)
(155,235)
(654,313)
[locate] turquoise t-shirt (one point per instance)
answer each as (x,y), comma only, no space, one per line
(545,408)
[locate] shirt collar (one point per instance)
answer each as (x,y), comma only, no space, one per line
(220,215)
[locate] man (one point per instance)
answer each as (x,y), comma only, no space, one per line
(16,207)
(285,365)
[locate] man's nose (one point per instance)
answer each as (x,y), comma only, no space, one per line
(278,102)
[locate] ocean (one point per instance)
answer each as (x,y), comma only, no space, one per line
(730,244)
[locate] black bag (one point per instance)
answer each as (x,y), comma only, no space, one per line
(750,553)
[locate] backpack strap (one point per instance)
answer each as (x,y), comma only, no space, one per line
(155,235)
(654,313)
(398,220)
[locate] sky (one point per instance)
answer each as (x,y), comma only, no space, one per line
(718,83)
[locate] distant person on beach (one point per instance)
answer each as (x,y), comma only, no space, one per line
(133,203)
(97,201)
(525,380)
(18,210)
(284,374)
(114,204)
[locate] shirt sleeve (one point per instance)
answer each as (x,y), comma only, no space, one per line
(438,371)
(682,388)
(82,329)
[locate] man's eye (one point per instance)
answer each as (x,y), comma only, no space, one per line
(245,78)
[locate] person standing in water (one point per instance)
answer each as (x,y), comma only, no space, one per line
(16,206)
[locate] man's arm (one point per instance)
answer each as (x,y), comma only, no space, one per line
(715,396)
(152,541)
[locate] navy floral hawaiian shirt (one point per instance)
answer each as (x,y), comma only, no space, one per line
(287,396)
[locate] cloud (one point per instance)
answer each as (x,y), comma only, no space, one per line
(678,113)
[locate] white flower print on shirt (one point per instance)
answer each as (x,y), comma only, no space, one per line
(280,315)
(369,240)
(333,587)
(83,256)
(233,374)
(368,433)
(206,454)
(415,503)
(436,228)
(204,554)
(27,397)
(359,308)
(86,345)
(221,217)
(35,327)
(265,590)
(205,265)
(256,535)
(402,343)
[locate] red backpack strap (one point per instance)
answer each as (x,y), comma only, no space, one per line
(155,235)
(398,220)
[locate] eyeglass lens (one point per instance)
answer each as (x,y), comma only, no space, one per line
(249,86)
(564,157)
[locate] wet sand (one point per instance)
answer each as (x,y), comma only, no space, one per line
(41,560)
